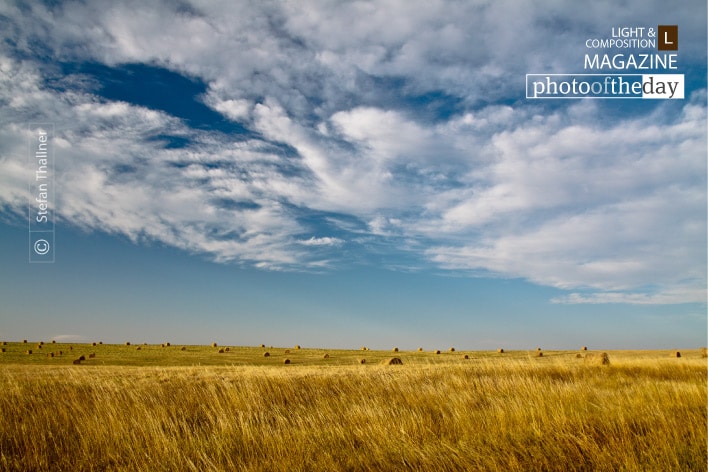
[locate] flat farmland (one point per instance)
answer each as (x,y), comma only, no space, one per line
(194,408)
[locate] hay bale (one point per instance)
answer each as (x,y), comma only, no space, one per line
(286,361)
(539,354)
(213,344)
(263,345)
(162,345)
(82,357)
(92,355)
(584,348)
(297,346)
(266,354)
(127,343)
(465,357)
(326,356)
(167,344)
(597,358)
(61,352)
(28,351)
(39,346)
(363,348)
(221,351)
(41,343)
(287,351)
(2,349)
(24,341)
(395,349)
(676,354)
(76,361)
(420,349)
(4,343)
(392,361)
(452,349)
(578,356)
(100,342)
(437,351)
(228,349)
(538,349)
(50,354)
(93,344)
(71,348)
(500,351)
(362,361)
(183,348)
(54,341)
(138,348)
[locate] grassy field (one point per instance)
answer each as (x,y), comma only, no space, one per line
(164,408)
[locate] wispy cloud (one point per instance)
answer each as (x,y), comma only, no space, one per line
(397,133)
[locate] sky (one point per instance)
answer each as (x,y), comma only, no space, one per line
(339,174)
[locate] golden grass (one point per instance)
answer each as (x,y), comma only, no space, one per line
(645,411)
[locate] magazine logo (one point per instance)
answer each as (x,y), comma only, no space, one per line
(631,52)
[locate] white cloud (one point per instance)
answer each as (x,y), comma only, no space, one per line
(667,297)
(68,338)
(565,196)
(324,241)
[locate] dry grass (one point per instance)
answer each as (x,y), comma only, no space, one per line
(510,413)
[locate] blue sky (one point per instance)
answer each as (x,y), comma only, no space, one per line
(349,173)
